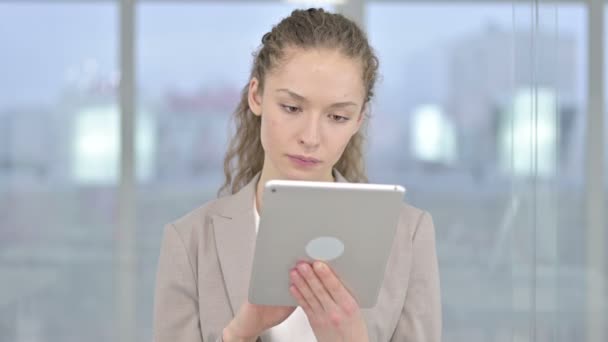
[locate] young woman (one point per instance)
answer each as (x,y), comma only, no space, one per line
(300,117)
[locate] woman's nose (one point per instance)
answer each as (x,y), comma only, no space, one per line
(310,134)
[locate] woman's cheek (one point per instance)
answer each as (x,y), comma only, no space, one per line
(342,146)
(270,133)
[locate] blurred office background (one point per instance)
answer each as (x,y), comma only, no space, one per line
(492,113)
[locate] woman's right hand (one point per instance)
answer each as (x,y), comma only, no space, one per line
(252,319)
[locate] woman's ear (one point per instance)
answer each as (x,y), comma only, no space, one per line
(361,118)
(254,96)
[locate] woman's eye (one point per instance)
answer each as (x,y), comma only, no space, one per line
(338,118)
(290,109)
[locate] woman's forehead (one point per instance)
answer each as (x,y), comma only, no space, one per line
(319,71)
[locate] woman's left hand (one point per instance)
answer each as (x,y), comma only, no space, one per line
(333,313)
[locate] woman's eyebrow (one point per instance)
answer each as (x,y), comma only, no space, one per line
(303,99)
(343,104)
(292,94)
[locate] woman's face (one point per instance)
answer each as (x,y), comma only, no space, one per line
(310,107)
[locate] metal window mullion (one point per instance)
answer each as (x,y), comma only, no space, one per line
(594,172)
(125,269)
(355,11)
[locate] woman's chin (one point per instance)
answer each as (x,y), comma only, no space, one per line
(303,175)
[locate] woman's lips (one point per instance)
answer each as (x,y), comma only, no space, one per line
(303,161)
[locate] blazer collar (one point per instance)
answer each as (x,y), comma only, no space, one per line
(234,231)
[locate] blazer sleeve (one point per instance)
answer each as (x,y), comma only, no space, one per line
(420,319)
(176,312)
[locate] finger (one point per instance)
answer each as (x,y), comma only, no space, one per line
(300,299)
(306,292)
(335,288)
(317,287)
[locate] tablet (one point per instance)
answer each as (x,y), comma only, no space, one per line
(350,226)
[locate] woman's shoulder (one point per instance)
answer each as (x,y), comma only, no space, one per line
(412,219)
(198,219)
(411,211)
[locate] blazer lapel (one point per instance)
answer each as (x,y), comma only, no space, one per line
(234,229)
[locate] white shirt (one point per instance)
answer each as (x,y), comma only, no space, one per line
(296,327)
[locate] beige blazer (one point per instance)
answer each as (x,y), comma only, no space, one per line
(205,263)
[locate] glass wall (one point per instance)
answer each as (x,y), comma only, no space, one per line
(481,114)
(59,152)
